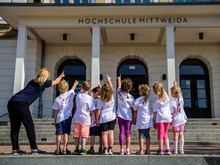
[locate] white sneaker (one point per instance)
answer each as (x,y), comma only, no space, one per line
(181,152)
(105,152)
(175,152)
(110,152)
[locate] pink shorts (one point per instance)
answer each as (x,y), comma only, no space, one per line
(179,128)
(81,130)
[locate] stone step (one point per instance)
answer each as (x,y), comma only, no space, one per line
(197,131)
(50,125)
(202,121)
(133,130)
(52,140)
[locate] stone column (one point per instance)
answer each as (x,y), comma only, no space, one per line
(95,70)
(171,73)
(19,77)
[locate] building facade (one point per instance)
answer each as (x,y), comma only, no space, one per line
(147,42)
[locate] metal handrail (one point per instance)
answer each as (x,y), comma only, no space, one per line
(3,115)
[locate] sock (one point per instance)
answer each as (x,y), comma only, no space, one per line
(175,144)
(181,144)
(105,148)
(110,147)
(77,148)
(82,149)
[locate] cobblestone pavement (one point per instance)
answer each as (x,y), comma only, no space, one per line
(189,149)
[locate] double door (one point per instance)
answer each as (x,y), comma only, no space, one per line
(196,96)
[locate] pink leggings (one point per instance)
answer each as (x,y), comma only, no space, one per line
(162,131)
(125,129)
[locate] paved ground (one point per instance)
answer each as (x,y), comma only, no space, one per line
(189,149)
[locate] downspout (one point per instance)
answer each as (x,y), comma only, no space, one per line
(40,107)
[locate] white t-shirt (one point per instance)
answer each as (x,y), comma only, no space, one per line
(107,110)
(64,104)
(163,110)
(84,104)
(179,116)
(142,107)
(125,103)
(95,102)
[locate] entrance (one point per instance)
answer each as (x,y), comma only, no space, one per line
(74,70)
(194,81)
(136,71)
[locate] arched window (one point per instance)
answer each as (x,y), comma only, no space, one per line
(193,67)
(136,71)
(74,70)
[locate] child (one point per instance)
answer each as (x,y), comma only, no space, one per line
(125,107)
(178,117)
(105,116)
(161,117)
(94,128)
(62,106)
(82,117)
(142,118)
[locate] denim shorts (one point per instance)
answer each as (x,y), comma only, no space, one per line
(64,127)
(144,133)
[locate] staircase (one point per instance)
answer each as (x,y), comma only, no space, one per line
(198,131)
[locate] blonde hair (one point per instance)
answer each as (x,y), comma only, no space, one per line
(63,86)
(42,76)
(86,85)
(106,92)
(176,89)
(159,90)
(144,90)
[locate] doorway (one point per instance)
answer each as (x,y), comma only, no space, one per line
(194,81)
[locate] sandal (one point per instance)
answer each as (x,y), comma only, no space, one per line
(140,152)
(57,152)
(67,152)
(147,152)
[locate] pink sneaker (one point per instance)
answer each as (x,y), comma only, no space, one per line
(128,152)
(121,152)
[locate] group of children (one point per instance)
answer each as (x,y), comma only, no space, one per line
(96,116)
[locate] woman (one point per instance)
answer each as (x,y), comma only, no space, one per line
(18,108)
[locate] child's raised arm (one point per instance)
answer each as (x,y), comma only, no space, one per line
(119,81)
(109,81)
(74,85)
(174,83)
